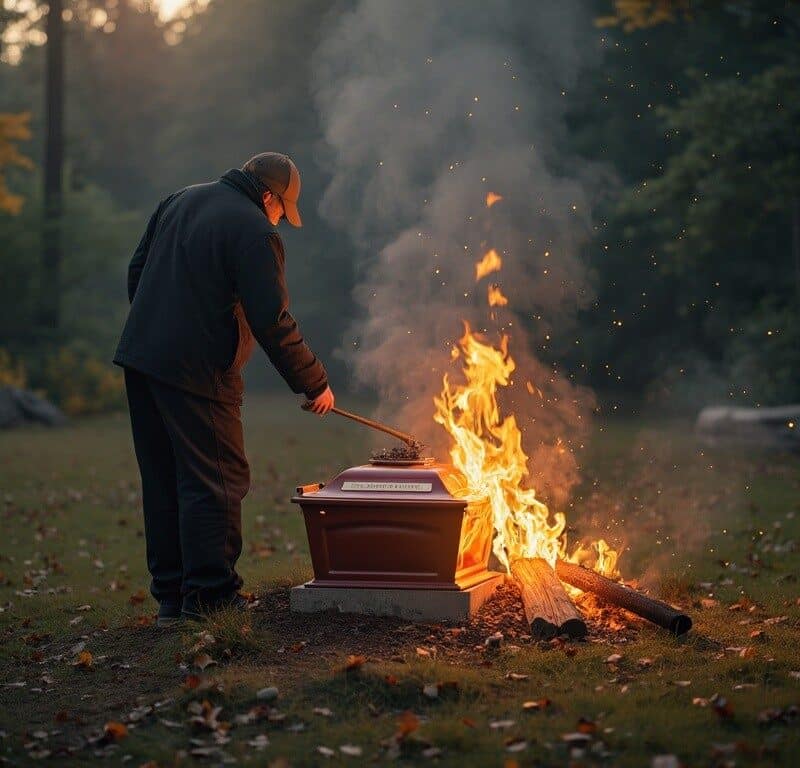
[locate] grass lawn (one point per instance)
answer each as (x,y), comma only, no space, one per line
(85,676)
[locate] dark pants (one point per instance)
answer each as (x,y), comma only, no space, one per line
(194,476)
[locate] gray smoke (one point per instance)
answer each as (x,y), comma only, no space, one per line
(425,108)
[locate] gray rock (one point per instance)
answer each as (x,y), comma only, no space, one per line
(20,406)
(767,427)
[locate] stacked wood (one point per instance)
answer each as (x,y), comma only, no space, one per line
(548,609)
(653,610)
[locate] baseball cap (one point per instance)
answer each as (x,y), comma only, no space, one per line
(277,172)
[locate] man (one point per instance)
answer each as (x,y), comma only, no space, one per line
(209,268)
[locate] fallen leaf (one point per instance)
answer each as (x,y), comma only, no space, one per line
(351,750)
(431,691)
(665,761)
(191,681)
(354,663)
(203,660)
(323,711)
(516,676)
(721,707)
(115,731)
(269,693)
(469,722)
(586,726)
(501,725)
(407,723)
(326,751)
(614,658)
(542,703)
(682,683)
(390,680)
(576,738)
(259,742)
(138,597)
(424,652)
(84,660)
(516,745)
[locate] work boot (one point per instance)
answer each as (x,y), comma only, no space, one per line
(169,615)
(201,612)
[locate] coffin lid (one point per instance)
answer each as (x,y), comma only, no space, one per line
(431,484)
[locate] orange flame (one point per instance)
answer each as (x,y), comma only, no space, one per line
(490,262)
(486,448)
(492,198)
(496,297)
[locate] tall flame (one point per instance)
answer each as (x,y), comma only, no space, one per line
(487,450)
(486,447)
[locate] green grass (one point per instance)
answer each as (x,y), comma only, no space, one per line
(712,529)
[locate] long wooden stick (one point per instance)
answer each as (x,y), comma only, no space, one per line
(548,609)
(409,440)
(653,610)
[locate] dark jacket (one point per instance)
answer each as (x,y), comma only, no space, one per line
(209,268)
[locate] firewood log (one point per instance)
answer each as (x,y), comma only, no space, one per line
(548,609)
(653,610)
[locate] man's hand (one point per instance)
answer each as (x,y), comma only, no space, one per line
(321,404)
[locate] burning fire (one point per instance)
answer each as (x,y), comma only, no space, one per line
(496,297)
(490,262)
(486,448)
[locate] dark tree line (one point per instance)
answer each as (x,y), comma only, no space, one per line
(693,106)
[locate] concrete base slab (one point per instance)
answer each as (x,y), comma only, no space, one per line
(412,604)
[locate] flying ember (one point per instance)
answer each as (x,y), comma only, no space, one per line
(490,262)
(496,297)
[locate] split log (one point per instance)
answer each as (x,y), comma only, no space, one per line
(548,609)
(653,610)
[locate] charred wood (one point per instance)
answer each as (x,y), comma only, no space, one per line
(548,609)
(653,610)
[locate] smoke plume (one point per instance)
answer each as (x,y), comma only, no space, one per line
(426,108)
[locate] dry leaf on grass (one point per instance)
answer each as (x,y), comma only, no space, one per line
(84,660)
(586,726)
(354,663)
(325,751)
(203,660)
(430,691)
(516,745)
(138,597)
(538,704)
(323,711)
(351,750)
(516,676)
(407,723)
(115,731)
(501,725)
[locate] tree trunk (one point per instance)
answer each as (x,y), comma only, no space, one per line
(50,289)
(795,214)
(548,609)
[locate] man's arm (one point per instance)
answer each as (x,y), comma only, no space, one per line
(261,285)
(140,254)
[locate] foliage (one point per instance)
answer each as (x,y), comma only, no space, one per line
(81,383)
(13,129)
(641,14)
(98,237)
(12,373)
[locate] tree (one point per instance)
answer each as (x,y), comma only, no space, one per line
(97,14)
(13,129)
